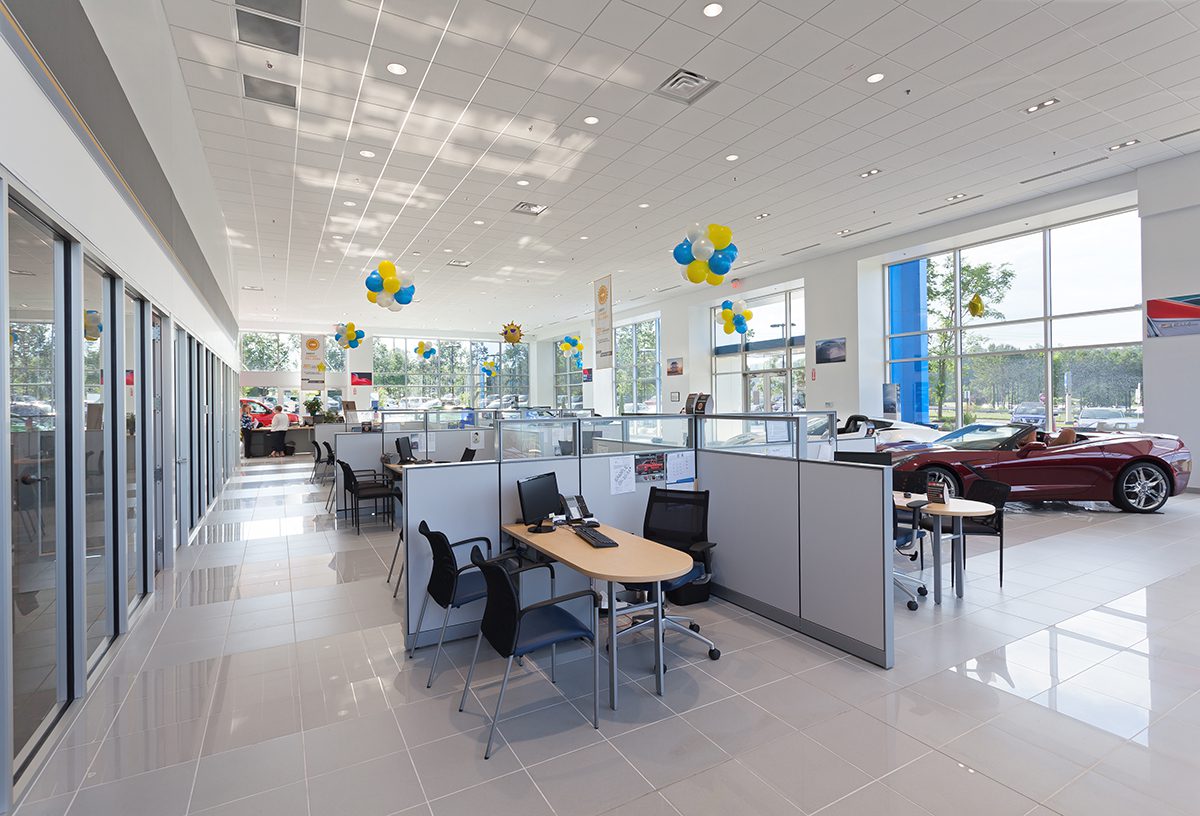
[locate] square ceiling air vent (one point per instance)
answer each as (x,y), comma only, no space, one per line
(268,90)
(458,263)
(267,32)
(685,86)
(287,9)
(526,208)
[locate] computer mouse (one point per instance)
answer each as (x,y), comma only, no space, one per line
(907,495)
(592,523)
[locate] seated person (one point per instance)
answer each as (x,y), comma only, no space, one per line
(1026,438)
(1065,436)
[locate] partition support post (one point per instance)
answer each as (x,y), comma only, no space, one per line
(612,645)
(936,529)
(960,555)
(659,634)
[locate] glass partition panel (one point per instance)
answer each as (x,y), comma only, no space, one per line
(536,438)
(602,435)
(396,420)
(756,435)
(452,420)
(96,350)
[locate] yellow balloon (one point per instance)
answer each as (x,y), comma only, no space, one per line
(697,270)
(746,313)
(727,315)
(387,269)
(372,296)
(720,235)
(729,328)
(391,285)
(714,279)
(350,328)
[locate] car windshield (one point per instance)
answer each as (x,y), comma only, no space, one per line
(1100,413)
(982,437)
(1030,408)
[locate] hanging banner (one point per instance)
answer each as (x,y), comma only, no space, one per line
(604,335)
(312,359)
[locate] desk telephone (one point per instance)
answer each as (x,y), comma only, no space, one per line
(576,511)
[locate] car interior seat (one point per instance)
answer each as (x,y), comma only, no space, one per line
(1065,436)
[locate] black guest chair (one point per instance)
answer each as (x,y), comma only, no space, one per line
(915,482)
(515,631)
(450,585)
(904,538)
(678,519)
(322,465)
(360,489)
(989,492)
(468,455)
(330,457)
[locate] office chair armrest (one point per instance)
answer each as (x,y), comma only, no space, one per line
(527,566)
(701,547)
(555,601)
(473,540)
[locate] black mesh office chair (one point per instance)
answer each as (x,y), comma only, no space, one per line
(904,538)
(987,491)
(515,631)
(678,519)
(468,455)
(915,482)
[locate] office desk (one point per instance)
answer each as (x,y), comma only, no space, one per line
(635,560)
(956,509)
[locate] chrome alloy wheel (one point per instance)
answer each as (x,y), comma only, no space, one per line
(1145,487)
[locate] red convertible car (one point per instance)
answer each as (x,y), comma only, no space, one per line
(263,414)
(1137,472)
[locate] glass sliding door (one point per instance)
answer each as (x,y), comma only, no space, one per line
(183,424)
(97,353)
(134,571)
(158,442)
(38,561)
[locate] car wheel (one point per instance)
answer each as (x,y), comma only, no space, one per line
(945,477)
(1143,487)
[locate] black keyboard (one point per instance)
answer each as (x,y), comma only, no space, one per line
(593,536)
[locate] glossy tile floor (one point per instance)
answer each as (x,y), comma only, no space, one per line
(268,677)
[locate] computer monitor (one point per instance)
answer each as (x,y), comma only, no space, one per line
(539,501)
(404,446)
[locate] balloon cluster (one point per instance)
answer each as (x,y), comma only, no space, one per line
(426,350)
(390,289)
(733,316)
(706,254)
(572,348)
(488,369)
(511,332)
(347,336)
(92,327)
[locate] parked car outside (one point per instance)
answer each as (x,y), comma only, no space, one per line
(1030,413)
(1089,418)
(262,414)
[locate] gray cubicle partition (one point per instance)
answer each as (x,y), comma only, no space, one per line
(361,452)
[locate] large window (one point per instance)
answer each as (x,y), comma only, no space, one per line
(1042,328)
(636,373)
(451,378)
(762,370)
(270,351)
(568,382)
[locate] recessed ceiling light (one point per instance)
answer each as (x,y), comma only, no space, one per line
(397,69)
(349,204)
(713,9)
(956,196)
(477,222)
(1129,143)
(643,206)
(367,154)
(328,261)
(732,157)
(541,262)
(761,216)
(522,182)
(591,120)
(416,253)
(447,250)
(337,237)
(252,288)
(874,171)
(1043,104)
(842,232)
(873,78)
(583,237)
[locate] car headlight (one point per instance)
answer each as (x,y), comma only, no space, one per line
(903,460)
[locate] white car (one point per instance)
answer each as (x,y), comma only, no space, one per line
(886,431)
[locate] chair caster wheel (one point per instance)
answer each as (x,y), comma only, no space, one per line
(922,591)
(913,606)
(714,654)
(695,627)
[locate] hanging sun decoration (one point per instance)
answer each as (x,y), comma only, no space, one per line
(511,332)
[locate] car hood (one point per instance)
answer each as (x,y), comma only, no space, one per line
(908,448)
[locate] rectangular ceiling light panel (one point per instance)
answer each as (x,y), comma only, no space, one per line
(287,9)
(269,33)
(268,90)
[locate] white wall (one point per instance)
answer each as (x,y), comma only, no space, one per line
(46,156)
(1169,206)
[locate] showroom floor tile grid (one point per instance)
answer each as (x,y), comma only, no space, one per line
(268,676)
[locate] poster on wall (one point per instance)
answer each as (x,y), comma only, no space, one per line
(674,366)
(360,378)
(650,467)
(1173,317)
(604,335)
(891,400)
(312,354)
(832,350)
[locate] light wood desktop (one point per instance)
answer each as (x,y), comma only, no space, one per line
(956,509)
(635,560)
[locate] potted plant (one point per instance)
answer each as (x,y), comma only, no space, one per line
(314,408)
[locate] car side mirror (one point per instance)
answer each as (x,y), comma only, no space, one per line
(1025,450)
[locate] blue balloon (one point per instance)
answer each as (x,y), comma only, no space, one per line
(726,304)
(375,282)
(404,298)
(719,264)
(739,320)
(683,252)
(353,344)
(411,289)
(731,250)
(740,328)
(360,334)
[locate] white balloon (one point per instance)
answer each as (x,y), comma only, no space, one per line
(695,232)
(683,273)
(406,279)
(739,306)
(703,249)
(396,306)
(384,299)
